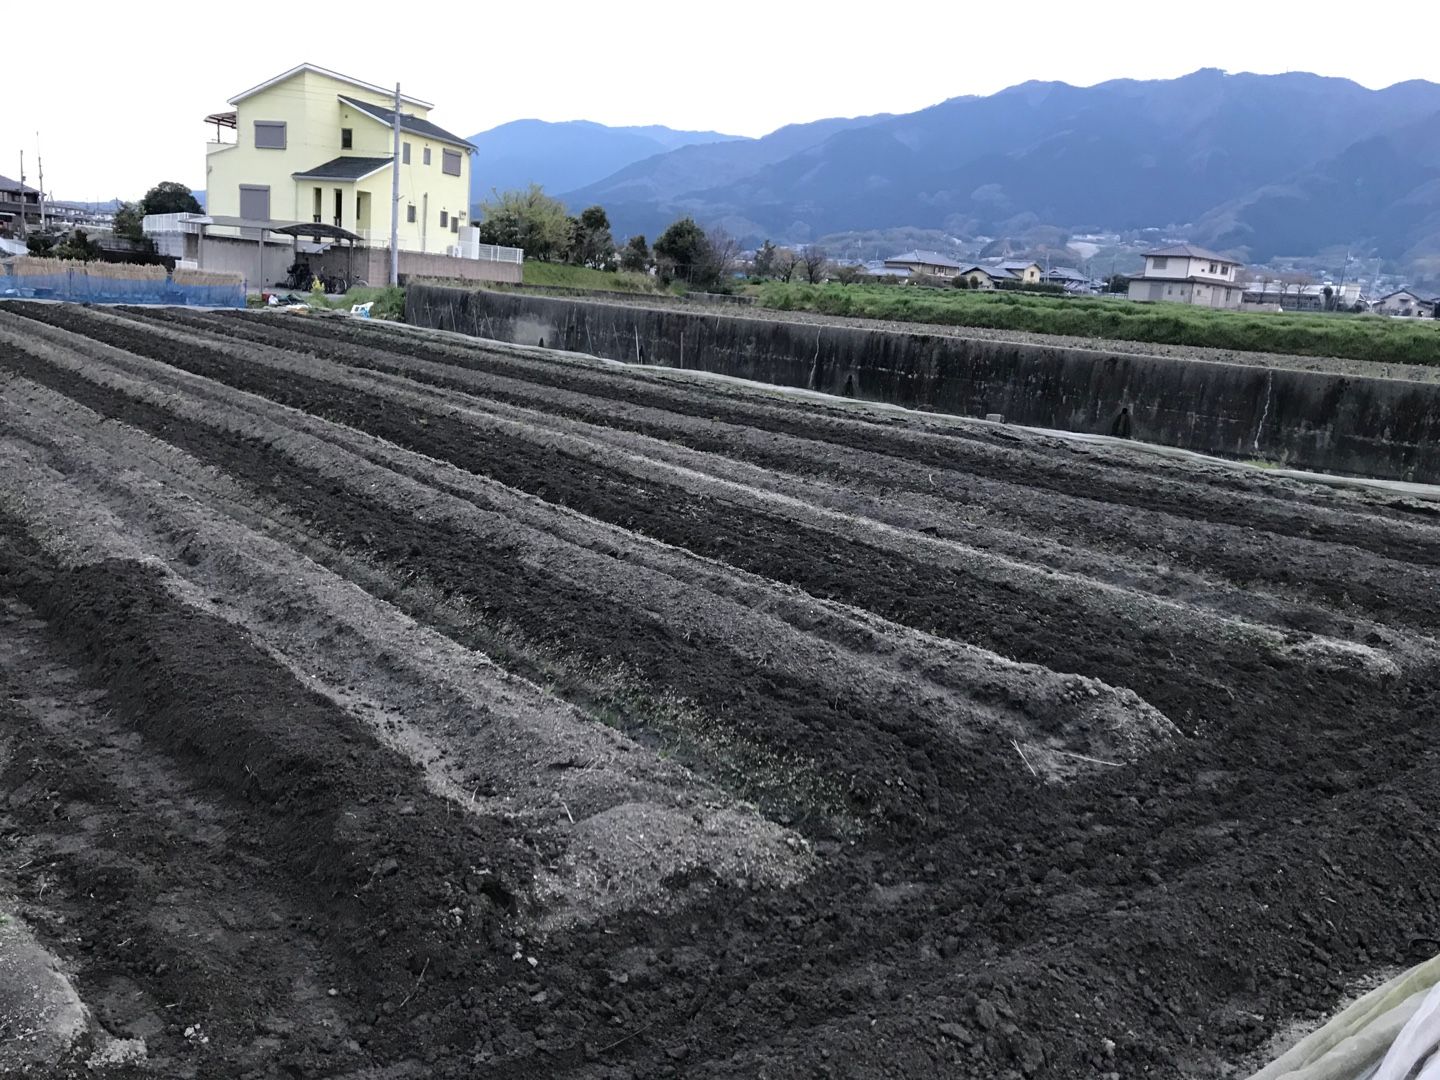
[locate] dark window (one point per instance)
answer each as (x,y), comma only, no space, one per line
(405,153)
(444,218)
(270,134)
(450,162)
(426,159)
(254,202)
(455,224)
(1160,262)
(410,213)
(347,138)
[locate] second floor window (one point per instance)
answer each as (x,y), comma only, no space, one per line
(444,218)
(426,156)
(405,153)
(450,162)
(1159,262)
(410,213)
(347,138)
(270,134)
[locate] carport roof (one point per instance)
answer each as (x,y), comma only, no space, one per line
(318,230)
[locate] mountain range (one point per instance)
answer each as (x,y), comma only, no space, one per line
(1262,165)
(563,156)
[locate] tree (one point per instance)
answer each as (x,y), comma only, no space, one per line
(683,252)
(786,263)
(593,245)
(168,197)
(1117,283)
(636,256)
(721,259)
(848,274)
(816,263)
(526,218)
(1329,294)
(129,219)
(77,246)
(764,265)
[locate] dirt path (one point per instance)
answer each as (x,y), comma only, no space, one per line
(784,737)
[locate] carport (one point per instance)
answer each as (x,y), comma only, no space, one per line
(320,233)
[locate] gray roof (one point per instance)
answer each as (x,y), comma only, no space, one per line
(344,168)
(1190,251)
(926,258)
(412,124)
(6,184)
(999,271)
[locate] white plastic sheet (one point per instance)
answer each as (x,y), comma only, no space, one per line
(1392,1033)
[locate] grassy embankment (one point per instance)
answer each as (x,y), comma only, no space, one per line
(583,277)
(1354,337)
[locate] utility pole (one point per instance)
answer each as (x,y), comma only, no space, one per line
(20,217)
(40,165)
(395,198)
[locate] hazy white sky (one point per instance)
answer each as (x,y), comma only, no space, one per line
(118,100)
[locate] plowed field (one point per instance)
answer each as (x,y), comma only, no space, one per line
(376,703)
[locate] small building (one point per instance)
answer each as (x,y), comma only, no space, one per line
(931,263)
(1186,274)
(1301,297)
(1068,278)
(1405,303)
(1000,275)
(877,269)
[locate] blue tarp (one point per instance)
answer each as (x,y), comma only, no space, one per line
(81,288)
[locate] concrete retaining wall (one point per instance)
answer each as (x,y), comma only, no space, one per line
(1328,422)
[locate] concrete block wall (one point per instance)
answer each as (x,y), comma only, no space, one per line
(1363,426)
(371,265)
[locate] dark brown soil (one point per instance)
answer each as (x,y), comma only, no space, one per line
(1160,918)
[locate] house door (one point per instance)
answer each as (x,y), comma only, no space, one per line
(318,212)
(339,208)
(362,213)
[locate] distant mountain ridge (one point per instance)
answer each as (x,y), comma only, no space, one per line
(1264,164)
(562,156)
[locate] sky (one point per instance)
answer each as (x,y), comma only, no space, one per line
(118,104)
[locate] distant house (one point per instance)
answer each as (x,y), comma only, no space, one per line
(1067,277)
(18,201)
(992,275)
(1185,274)
(877,269)
(1405,303)
(1026,273)
(924,262)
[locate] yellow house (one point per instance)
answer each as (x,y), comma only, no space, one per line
(312,145)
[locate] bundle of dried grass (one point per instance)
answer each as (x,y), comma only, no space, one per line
(124,271)
(33,266)
(185,276)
